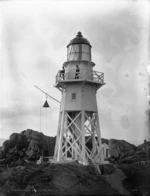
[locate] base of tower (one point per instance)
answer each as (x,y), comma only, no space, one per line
(96,166)
(104,167)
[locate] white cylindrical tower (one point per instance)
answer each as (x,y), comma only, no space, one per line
(78,135)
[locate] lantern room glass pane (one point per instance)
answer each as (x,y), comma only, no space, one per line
(73,52)
(85,48)
(85,57)
(86,52)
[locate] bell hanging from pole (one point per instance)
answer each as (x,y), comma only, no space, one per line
(46,105)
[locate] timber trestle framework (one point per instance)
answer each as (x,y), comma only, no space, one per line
(78,137)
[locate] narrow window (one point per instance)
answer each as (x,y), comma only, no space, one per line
(107,150)
(73,96)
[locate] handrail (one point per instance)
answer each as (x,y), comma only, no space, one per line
(84,74)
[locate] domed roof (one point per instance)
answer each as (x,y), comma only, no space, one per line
(79,39)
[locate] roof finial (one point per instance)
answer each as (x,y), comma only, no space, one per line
(79,35)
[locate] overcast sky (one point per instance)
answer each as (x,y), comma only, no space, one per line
(33,40)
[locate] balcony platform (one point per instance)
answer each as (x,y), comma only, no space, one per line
(84,76)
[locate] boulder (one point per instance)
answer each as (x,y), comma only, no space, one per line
(32,135)
(34,145)
(28,144)
(13,139)
(106,169)
(6,146)
(1,152)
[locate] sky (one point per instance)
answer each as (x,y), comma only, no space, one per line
(33,40)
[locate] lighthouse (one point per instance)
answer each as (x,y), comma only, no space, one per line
(78,134)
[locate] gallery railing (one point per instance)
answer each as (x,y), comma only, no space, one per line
(82,74)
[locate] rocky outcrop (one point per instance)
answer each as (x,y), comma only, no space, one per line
(119,149)
(106,141)
(28,145)
(144,146)
(54,179)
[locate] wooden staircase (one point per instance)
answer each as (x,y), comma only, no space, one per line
(94,165)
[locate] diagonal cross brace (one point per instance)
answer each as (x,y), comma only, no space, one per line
(71,146)
(73,121)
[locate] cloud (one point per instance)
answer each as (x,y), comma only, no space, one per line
(34,48)
(118,32)
(19,110)
(107,92)
(125,123)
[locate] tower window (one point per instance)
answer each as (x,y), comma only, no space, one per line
(107,150)
(73,96)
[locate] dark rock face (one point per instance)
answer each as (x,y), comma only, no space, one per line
(55,180)
(21,177)
(106,169)
(28,145)
(106,141)
(120,148)
(144,146)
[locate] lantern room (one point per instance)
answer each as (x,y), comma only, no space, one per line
(79,49)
